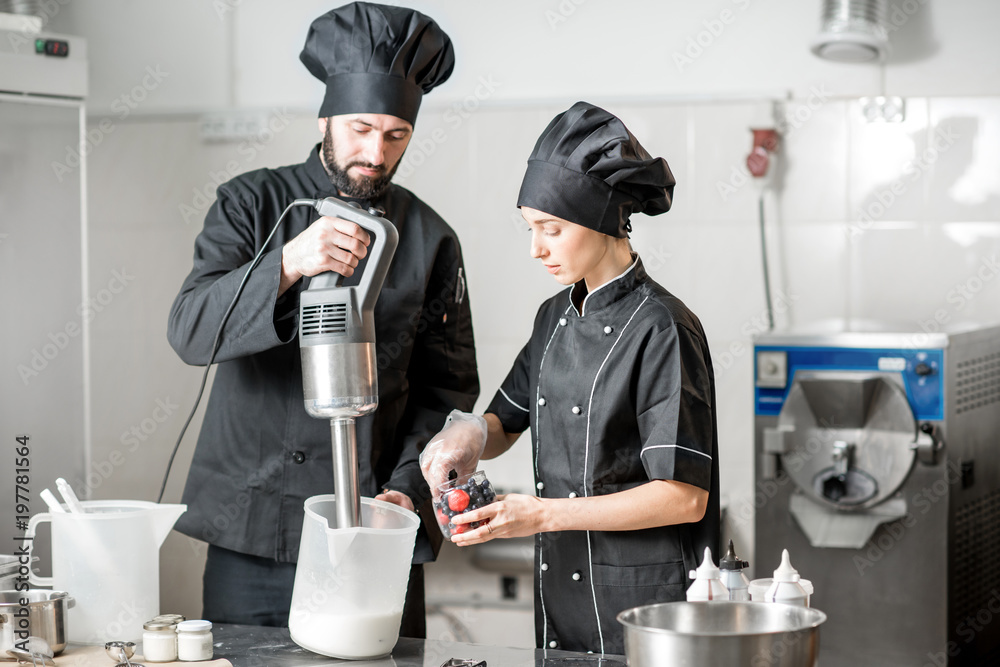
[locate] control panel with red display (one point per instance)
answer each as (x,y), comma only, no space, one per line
(52,47)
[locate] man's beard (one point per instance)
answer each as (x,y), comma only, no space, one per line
(361,187)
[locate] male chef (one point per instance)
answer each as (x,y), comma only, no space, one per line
(259,454)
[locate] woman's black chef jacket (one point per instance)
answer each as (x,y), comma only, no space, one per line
(616,395)
(260,455)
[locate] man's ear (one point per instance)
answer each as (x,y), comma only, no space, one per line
(322,125)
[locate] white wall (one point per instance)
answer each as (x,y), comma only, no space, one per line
(834,252)
(244,53)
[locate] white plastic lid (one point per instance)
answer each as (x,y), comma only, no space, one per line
(786,574)
(707,569)
(194,626)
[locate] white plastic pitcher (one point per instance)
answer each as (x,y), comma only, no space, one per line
(350,583)
(108,559)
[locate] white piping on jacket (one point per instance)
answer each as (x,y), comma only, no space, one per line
(541,598)
(511,401)
(687,449)
(586,462)
(583,305)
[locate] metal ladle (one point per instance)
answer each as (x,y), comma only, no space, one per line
(120,652)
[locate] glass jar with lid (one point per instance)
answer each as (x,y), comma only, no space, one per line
(194,640)
(159,641)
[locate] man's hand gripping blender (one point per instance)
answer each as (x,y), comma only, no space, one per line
(337,341)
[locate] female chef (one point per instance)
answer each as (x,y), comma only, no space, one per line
(616,385)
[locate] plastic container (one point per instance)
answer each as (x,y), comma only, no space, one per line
(194,640)
(785,588)
(460,495)
(350,583)
(732,576)
(108,559)
(758,589)
(159,641)
(707,586)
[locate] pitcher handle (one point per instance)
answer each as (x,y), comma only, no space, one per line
(30,533)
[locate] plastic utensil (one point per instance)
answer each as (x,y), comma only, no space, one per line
(51,502)
(66,491)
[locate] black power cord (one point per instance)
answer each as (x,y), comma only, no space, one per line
(218,335)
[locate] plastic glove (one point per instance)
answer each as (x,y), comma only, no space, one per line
(457,447)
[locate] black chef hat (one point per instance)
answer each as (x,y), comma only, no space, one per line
(588,168)
(376,59)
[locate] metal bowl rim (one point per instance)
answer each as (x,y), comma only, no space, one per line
(820,619)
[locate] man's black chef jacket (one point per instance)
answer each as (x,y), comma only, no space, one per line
(616,395)
(260,455)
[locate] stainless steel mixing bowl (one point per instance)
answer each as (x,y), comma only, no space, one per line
(744,634)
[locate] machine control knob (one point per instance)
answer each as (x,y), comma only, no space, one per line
(923,369)
(377,210)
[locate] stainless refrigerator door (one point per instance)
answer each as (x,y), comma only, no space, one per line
(43,328)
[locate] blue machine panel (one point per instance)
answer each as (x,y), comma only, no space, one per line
(920,369)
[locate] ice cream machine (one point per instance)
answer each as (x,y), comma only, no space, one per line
(877,465)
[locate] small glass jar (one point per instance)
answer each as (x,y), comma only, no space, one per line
(159,641)
(194,640)
(461,495)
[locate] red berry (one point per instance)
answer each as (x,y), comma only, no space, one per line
(442,518)
(458,500)
(459,528)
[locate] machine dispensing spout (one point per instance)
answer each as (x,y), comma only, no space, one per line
(337,343)
(835,486)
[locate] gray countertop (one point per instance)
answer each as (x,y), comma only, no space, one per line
(254,646)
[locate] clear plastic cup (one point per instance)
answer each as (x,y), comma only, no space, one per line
(461,495)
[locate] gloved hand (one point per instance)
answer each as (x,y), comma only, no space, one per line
(457,447)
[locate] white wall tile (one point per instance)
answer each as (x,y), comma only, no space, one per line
(887,176)
(919,274)
(811,164)
(964,172)
(816,260)
(723,188)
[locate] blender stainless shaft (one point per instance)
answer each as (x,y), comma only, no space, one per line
(345,472)
(337,342)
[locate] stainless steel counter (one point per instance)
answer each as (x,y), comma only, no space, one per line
(253,646)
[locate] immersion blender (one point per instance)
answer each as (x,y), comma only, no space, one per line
(337,342)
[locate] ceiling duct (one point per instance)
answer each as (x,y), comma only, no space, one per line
(853,31)
(25,7)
